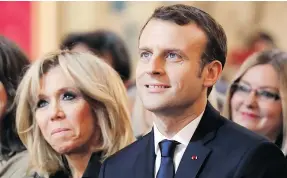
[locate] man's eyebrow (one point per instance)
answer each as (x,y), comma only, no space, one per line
(144,49)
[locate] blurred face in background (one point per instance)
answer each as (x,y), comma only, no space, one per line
(256,102)
(81,47)
(261,45)
(3,100)
(63,115)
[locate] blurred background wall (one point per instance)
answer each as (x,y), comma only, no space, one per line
(38,27)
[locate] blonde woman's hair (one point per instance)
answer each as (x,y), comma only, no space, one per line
(278,60)
(104,91)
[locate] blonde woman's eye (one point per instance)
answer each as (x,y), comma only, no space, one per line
(42,103)
(69,96)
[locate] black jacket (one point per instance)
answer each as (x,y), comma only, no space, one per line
(92,170)
(223,149)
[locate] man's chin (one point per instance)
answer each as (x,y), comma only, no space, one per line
(154,108)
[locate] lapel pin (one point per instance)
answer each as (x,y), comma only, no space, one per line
(194,157)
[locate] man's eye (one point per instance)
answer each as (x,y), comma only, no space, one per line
(173,56)
(145,55)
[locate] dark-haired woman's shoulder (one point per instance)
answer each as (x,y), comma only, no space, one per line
(59,174)
(15,166)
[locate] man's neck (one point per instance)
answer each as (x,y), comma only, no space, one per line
(170,124)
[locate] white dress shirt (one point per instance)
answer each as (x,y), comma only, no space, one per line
(183,137)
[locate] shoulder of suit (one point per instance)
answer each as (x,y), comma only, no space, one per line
(232,132)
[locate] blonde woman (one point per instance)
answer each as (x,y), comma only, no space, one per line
(71,115)
(257,99)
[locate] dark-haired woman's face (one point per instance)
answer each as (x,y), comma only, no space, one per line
(3,100)
(256,102)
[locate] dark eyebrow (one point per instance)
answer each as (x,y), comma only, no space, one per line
(65,89)
(145,49)
(41,96)
(69,89)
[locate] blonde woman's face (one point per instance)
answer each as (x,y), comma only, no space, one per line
(256,102)
(3,100)
(63,115)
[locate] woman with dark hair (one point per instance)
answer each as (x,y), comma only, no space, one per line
(13,158)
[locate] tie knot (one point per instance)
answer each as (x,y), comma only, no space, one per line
(167,147)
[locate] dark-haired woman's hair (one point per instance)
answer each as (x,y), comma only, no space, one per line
(13,62)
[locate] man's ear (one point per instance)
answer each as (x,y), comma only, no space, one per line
(212,73)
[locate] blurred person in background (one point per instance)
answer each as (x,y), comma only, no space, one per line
(257,42)
(105,44)
(13,157)
(72,114)
(257,98)
(260,41)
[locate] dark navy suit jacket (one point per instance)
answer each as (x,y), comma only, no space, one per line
(223,150)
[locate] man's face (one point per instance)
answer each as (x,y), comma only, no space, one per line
(168,72)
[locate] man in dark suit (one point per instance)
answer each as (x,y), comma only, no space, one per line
(182,52)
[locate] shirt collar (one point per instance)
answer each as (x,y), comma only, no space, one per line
(183,136)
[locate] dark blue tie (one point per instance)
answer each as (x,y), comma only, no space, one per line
(166,169)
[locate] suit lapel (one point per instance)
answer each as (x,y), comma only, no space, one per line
(196,153)
(192,160)
(144,164)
